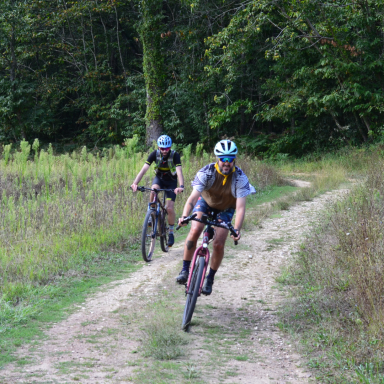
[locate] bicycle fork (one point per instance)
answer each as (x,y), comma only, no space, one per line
(201,254)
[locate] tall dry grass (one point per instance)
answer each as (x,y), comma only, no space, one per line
(339,277)
(338,284)
(353,161)
(55,210)
(348,255)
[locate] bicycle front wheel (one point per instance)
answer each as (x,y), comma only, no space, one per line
(164,229)
(148,236)
(193,293)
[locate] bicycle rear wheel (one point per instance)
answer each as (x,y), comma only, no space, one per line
(197,275)
(148,236)
(164,231)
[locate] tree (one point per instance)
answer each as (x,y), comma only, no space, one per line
(150,35)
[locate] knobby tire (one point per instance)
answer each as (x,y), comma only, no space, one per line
(163,224)
(194,288)
(148,236)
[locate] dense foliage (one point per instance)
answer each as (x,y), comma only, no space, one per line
(281,76)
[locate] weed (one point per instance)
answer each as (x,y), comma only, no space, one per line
(285,276)
(231,373)
(241,358)
(163,336)
(306,194)
(191,371)
(282,205)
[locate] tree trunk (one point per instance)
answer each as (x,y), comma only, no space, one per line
(13,57)
(292,125)
(206,122)
(13,70)
(150,32)
(359,128)
(366,122)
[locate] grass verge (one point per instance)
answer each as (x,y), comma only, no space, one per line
(337,282)
(27,321)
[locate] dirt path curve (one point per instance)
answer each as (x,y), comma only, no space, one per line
(94,345)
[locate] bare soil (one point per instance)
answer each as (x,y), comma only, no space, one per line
(96,345)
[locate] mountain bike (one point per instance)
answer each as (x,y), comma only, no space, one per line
(200,263)
(155,224)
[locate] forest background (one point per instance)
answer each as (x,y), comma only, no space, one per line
(283,77)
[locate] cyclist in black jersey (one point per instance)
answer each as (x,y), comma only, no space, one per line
(168,170)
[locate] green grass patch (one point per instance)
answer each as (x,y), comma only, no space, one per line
(270,194)
(39,308)
(167,372)
(163,338)
(241,358)
(276,241)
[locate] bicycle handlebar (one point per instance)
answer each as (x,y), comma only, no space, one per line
(143,189)
(213,223)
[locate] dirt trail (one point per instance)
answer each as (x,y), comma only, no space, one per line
(94,345)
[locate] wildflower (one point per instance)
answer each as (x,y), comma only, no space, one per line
(347,233)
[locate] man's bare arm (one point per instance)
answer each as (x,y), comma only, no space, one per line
(192,200)
(180,177)
(240,214)
(139,177)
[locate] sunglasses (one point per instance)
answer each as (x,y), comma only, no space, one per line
(225,159)
(164,149)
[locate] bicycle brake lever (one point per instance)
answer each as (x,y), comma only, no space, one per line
(187,221)
(179,226)
(233,232)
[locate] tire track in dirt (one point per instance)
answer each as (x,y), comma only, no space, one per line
(93,344)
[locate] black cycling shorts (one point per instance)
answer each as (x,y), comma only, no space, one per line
(166,184)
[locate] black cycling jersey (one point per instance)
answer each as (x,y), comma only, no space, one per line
(164,171)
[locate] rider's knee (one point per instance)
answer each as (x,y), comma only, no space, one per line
(218,247)
(194,234)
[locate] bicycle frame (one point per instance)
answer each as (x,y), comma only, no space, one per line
(158,203)
(155,224)
(202,251)
(195,281)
